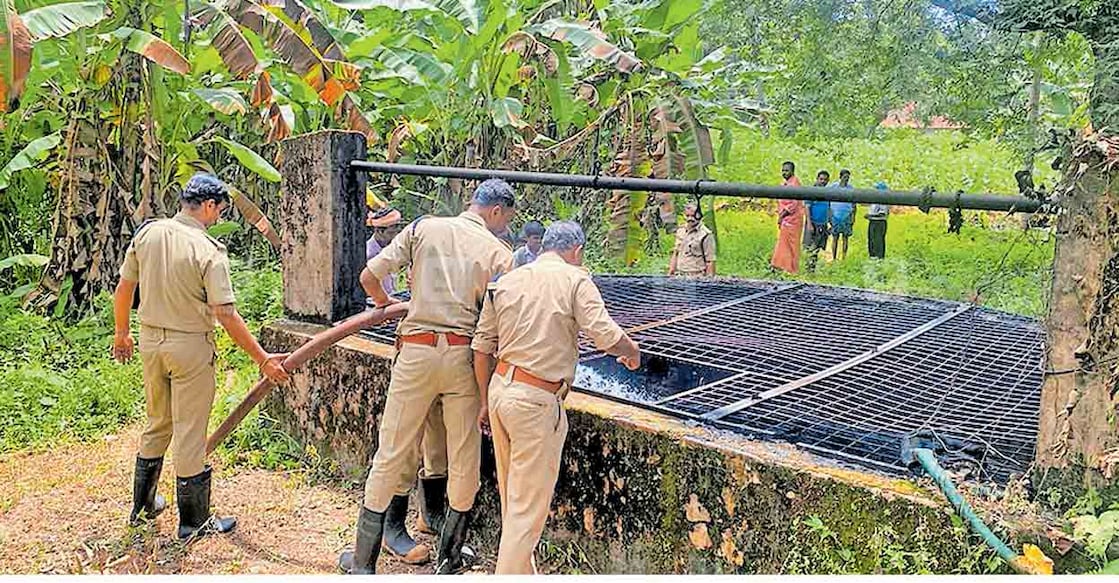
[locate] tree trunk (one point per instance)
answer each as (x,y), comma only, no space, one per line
(107,186)
(1077,429)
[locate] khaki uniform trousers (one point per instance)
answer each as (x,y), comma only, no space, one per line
(421,376)
(179,389)
(433,447)
(529,427)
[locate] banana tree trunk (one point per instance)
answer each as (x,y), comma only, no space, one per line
(108,180)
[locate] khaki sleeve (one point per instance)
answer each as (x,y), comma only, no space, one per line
(395,256)
(130,269)
(709,247)
(592,317)
(485,335)
(215,279)
(504,262)
(679,244)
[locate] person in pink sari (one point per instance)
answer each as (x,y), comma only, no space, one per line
(790,223)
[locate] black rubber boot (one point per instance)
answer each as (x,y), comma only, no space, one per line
(454,556)
(193,497)
(363,559)
(146,504)
(433,504)
(397,540)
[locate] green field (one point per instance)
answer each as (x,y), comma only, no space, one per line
(1009,267)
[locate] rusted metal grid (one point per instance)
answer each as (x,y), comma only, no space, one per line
(842,372)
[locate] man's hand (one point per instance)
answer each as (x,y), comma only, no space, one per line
(388,301)
(123,346)
(484,420)
(273,368)
(630,361)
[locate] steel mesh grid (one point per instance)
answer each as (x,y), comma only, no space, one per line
(976,377)
(784,336)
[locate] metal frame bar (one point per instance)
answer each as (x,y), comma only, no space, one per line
(989,202)
(805,381)
(717,307)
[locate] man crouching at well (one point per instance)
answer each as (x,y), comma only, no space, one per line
(530,321)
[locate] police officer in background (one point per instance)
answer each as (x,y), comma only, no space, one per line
(183,276)
(453,259)
(530,321)
(694,252)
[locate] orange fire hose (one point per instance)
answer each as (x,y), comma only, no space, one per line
(312,348)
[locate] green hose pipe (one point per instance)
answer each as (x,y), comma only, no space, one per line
(1027,565)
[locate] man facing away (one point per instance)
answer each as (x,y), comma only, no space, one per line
(842,218)
(532,233)
(876,217)
(694,252)
(183,275)
(530,322)
(386,224)
(453,259)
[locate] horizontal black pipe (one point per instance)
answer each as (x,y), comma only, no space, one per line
(986,202)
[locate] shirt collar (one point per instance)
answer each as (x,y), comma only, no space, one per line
(473,218)
(546,256)
(189,221)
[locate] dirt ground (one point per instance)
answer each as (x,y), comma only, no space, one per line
(66,511)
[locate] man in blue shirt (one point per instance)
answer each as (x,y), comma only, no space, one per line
(818,213)
(842,218)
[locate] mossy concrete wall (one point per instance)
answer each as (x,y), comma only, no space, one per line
(643,493)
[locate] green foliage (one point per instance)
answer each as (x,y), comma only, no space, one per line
(250,159)
(904,159)
(1096,532)
(921,259)
(57,381)
(822,550)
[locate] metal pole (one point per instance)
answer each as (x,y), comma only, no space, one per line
(987,202)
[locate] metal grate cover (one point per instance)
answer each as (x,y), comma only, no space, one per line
(846,373)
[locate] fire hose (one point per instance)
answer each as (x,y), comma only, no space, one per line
(310,349)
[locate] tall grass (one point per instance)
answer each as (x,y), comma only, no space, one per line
(1009,268)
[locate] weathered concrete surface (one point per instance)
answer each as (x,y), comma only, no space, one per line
(321,221)
(643,493)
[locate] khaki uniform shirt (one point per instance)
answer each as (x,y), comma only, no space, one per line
(535,313)
(452,259)
(694,250)
(182,272)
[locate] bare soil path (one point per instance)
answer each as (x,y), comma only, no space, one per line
(65,510)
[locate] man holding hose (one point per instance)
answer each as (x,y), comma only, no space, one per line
(183,276)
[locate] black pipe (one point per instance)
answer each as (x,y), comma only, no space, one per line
(987,202)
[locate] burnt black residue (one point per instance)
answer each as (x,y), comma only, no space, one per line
(657,378)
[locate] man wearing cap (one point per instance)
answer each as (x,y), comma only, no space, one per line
(453,259)
(694,252)
(530,321)
(385,223)
(183,276)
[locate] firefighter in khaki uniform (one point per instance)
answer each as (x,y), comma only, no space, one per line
(530,321)
(183,276)
(453,259)
(694,253)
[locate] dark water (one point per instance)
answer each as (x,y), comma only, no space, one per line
(658,377)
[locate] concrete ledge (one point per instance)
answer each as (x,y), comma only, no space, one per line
(640,492)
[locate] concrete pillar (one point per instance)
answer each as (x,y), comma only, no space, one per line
(322,224)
